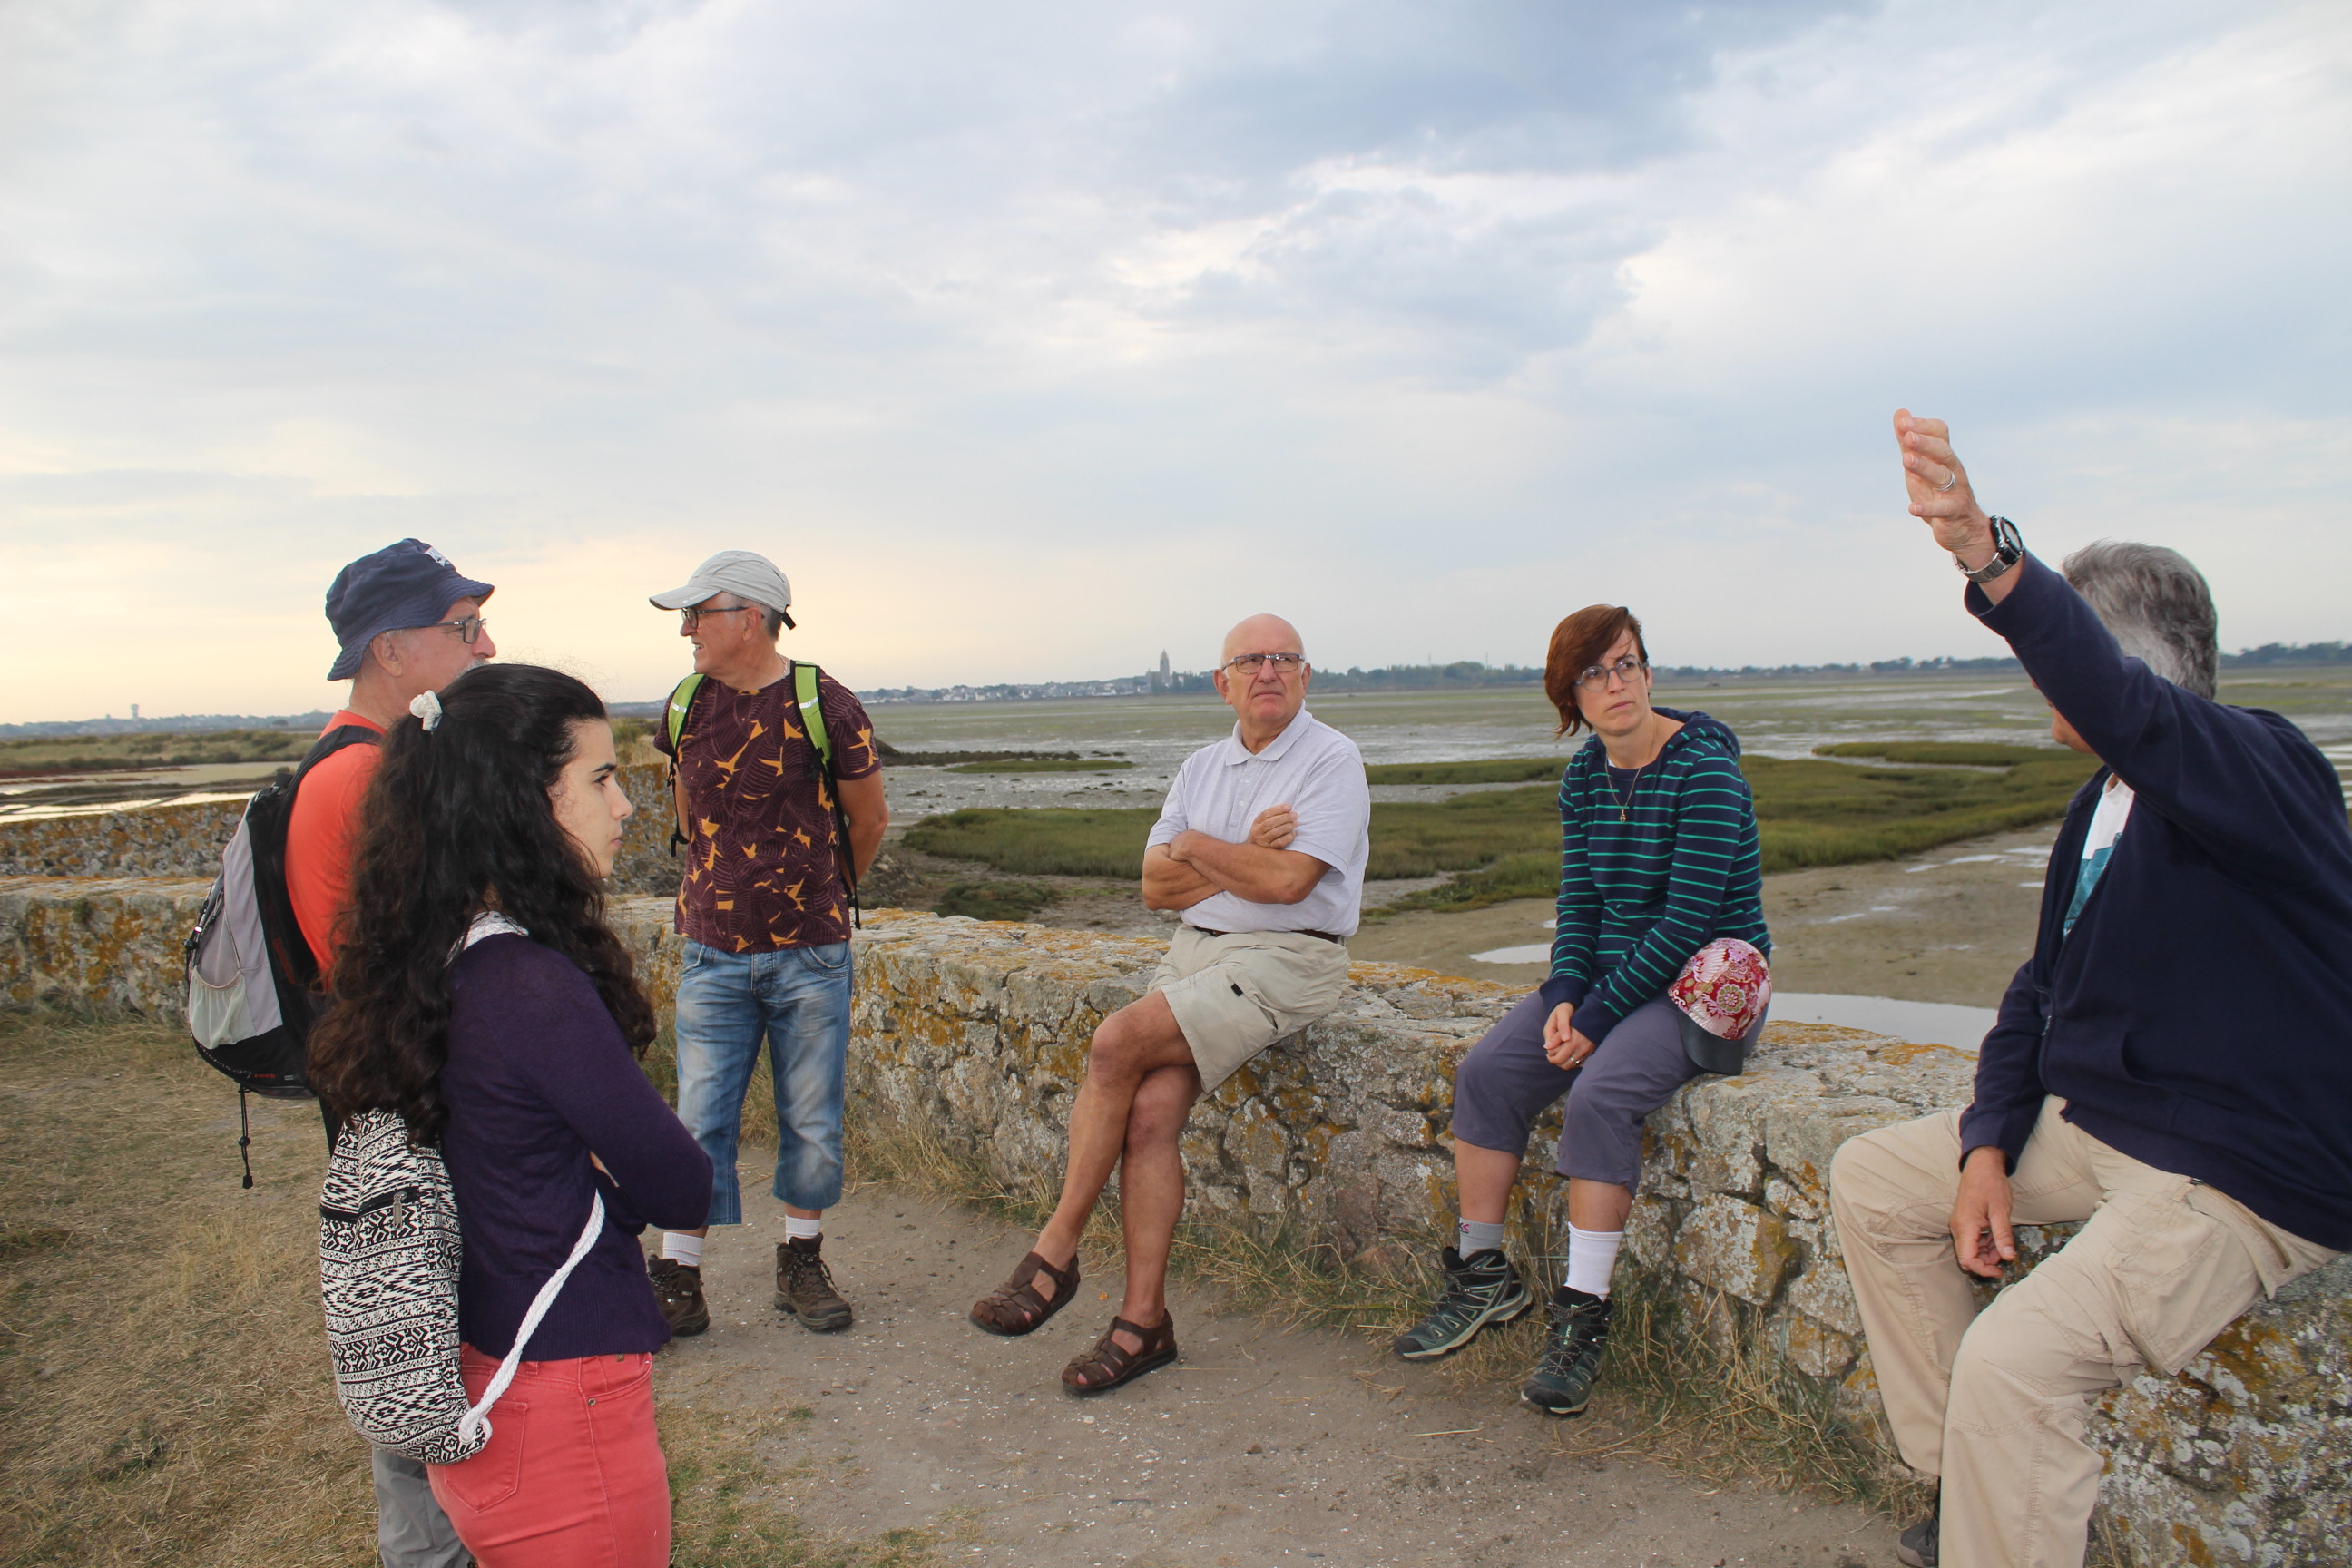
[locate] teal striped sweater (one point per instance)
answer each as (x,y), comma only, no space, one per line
(1637,897)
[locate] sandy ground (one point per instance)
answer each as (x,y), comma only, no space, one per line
(1951,926)
(1262,1445)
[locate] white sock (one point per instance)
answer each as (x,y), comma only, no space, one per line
(680,1247)
(1592,1258)
(1476,1236)
(799,1229)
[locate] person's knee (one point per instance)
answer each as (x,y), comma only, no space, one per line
(1121,1045)
(1869,1180)
(1161,1108)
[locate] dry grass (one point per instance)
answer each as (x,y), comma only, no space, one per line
(165,1389)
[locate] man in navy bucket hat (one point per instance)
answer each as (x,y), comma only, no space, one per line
(408,622)
(401,586)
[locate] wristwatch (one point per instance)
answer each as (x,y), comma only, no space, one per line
(2008,550)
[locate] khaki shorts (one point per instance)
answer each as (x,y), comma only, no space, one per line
(1234,995)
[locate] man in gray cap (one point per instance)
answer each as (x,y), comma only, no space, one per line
(779,791)
(408,622)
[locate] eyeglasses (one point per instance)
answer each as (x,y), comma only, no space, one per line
(468,628)
(1596,676)
(694,613)
(1250,663)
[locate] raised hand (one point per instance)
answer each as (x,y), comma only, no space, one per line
(1939,489)
(1275,827)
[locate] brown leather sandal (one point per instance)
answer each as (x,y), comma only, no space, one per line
(1110,1363)
(1015,1308)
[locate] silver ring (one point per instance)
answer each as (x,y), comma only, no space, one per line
(1948,484)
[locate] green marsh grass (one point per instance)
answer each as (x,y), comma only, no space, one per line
(1495,769)
(102,753)
(1505,843)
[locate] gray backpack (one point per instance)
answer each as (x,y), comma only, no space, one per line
(254,987)
(389,1252)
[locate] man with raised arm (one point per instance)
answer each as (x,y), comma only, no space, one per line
(1262,846)
(2172,1066)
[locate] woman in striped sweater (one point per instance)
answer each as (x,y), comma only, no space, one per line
(1658,858)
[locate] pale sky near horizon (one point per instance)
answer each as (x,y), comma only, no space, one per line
(1032,339)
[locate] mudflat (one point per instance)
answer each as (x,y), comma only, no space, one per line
(1951,926)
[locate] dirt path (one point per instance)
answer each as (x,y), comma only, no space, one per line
(1262,1444)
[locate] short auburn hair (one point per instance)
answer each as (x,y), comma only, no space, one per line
(1578,644)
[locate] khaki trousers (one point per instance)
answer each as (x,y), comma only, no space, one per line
(1996,1402)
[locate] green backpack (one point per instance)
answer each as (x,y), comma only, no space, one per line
(681,702)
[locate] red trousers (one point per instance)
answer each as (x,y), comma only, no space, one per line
(572,1475)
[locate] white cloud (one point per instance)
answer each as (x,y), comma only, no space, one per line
(1035,338)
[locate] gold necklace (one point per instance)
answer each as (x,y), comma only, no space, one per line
(1625,803)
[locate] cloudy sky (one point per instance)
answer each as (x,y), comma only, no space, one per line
(1035,337)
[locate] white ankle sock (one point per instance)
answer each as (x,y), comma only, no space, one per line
(1477,1236)
(680,1247)
(1592,1259)
(799,1229)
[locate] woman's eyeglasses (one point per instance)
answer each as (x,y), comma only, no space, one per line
(1596,675)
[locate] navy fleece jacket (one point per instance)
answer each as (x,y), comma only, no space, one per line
(1638,897)
(2197,1019)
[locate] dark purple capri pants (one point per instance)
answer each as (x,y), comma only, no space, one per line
(1506,1082)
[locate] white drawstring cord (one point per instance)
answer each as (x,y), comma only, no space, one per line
(477,1417)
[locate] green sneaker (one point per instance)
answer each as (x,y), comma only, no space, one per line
(1562,1385)
(1481,1288)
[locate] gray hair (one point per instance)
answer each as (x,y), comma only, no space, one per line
(2158,606)
(772,620)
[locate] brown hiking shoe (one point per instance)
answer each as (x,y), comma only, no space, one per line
(680,1290)
(804,1286)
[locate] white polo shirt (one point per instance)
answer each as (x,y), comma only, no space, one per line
(1317,773)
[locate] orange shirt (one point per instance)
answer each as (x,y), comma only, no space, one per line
(318,837)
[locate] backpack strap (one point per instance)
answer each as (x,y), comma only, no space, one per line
(681,699)
(279,926)
(681,704)
(805,690)
(812,712)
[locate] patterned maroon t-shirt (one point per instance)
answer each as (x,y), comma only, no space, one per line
(761,858)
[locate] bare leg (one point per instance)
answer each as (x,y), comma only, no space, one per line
(1129,1045)
(1483,1178)
(1597,1205)
(1152,1190)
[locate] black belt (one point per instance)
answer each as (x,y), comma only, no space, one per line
(1317,935)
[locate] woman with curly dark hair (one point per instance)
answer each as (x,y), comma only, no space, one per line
(480,995)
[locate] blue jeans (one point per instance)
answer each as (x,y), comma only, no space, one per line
(797,998)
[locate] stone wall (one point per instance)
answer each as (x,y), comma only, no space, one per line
(975,1035)
(186,841)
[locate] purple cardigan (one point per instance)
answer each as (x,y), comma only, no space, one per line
(539,1077)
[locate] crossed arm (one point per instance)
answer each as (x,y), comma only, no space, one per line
(1193,865)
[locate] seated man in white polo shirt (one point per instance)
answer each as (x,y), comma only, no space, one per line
(1262,844)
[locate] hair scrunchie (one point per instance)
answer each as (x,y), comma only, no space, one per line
(427,706)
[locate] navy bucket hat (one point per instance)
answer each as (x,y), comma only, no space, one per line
(406,585)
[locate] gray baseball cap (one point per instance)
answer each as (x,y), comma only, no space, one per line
(745,574)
